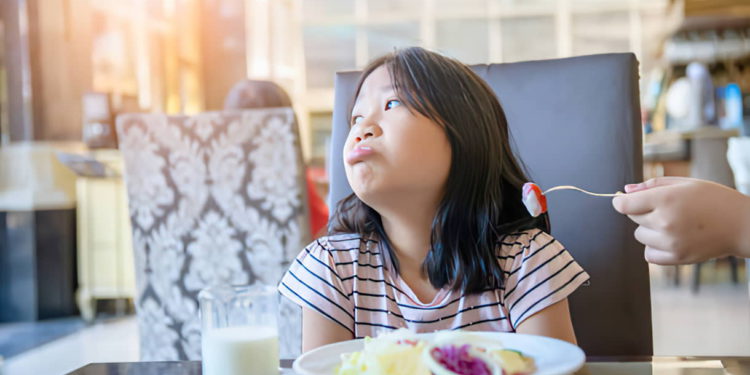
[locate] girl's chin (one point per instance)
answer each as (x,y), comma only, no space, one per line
(368,193)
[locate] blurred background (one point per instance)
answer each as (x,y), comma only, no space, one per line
(184,55)
(69,67)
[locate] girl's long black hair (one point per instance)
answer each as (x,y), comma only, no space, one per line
(482,201)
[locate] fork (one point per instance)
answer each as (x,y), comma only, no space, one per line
(571,187)
(536,201)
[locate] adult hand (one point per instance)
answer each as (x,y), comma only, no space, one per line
(685,220)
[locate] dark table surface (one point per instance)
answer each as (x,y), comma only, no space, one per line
(593,366)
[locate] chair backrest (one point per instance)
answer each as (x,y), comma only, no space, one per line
(215,198)
(574,121)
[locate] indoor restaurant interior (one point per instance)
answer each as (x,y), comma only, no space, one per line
(243,186)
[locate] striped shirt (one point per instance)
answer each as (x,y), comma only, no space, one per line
(346,278)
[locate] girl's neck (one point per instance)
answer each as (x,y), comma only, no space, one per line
(409,230)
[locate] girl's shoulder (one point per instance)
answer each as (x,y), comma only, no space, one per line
(342,248)
(345,240)
(527,241)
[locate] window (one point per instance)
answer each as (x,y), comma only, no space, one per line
(382,39)
(328,49)
(464,39)
(528,38)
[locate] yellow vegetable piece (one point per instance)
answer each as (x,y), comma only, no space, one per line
(514,362)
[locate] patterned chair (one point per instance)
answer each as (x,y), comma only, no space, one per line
(214,198)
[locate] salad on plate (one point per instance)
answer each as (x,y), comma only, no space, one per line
(446,353)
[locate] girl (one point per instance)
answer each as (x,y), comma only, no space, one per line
(435,235)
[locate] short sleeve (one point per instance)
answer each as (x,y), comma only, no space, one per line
(539,272)
(313,282)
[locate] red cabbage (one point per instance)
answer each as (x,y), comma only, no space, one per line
(459,360)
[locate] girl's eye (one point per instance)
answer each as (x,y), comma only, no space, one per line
(356,120)
(392,103)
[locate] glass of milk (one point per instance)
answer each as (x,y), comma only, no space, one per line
(239,330)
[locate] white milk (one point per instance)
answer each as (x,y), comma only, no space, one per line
(246,350)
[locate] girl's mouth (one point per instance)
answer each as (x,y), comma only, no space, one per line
(358,154)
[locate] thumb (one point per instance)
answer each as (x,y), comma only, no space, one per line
(655,182)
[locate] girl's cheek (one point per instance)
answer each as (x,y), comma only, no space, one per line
(348,143)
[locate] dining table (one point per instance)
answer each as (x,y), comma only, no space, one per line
(640,365)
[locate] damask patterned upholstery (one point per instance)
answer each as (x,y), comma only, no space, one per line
(214,198)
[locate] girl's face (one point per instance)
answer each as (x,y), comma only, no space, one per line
(393,155)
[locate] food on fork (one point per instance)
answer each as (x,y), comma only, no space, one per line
(534,199)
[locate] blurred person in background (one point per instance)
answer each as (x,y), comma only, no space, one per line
(248,94)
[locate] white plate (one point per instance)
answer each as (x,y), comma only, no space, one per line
(551,356)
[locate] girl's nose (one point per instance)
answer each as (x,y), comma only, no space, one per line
(366,129)
(362,137)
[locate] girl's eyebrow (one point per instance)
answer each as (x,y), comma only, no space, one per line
(381,89)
